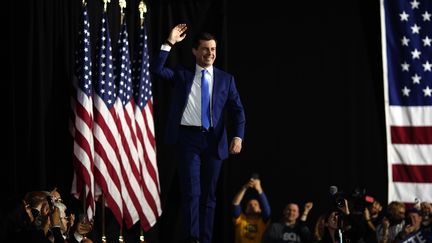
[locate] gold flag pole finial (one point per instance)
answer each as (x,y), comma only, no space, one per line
(84,3)
(106,4)
(122,4)
(142,9)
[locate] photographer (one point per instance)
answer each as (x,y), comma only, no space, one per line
(42,219)
(250,224)
(373,217)
(341,225)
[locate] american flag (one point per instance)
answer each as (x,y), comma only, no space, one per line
(134,203)
(145,131)
(407,65)
(82,105)
(106,136)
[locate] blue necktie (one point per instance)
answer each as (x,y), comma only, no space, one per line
(205,100)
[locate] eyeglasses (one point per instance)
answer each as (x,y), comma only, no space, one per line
(58,200)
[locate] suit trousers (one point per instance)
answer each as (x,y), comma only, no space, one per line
(199,169)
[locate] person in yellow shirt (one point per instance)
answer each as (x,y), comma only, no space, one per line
(251,224)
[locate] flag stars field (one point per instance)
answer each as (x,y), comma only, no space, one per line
(406,91)
(416,79)
(415,4)
(426,16)
(427,91)
(405,41)
(427,41)
(415,29)
(404,16)
(405,66)
(427,66)
(415,54)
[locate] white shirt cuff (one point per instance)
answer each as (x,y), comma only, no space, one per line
(165,47)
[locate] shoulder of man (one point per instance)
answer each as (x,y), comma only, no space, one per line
(222,74)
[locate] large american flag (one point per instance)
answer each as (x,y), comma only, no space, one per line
(135,205)
(407,64)
(145,131)
(108,172)
(82,105)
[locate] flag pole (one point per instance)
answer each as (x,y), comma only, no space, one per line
(103,219)
(83,197)
(103,196)
(142,8)
(142,240)
(122,4)
(121,238)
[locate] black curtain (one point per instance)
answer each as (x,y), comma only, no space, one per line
(309,75)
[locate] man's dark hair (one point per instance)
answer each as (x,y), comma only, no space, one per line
(204,36)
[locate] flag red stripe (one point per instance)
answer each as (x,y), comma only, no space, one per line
(149,198)
(99,119)
(111,170)
(127,216)
(83,143)
(82,173)
(127,149)
(90,201)
(83,113)
(150,135)
(412,173)
(144,222)
(151,170)
(411,135)
(117,212)
(130,117)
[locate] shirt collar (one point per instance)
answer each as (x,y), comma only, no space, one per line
(199,68)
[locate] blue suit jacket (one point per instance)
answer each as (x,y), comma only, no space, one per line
(225,98)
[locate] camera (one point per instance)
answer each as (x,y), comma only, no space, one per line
(339,201)
(50,200)
(358,199)
(337,197)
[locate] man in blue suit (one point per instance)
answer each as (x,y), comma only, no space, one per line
(196,125)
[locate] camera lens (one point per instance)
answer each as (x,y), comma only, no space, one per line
(340,202)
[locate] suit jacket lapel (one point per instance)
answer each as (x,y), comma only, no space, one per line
(189,77)
(217,85)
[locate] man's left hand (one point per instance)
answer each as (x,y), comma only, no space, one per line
(236,145)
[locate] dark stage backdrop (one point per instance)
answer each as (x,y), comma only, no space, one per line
(309,75)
